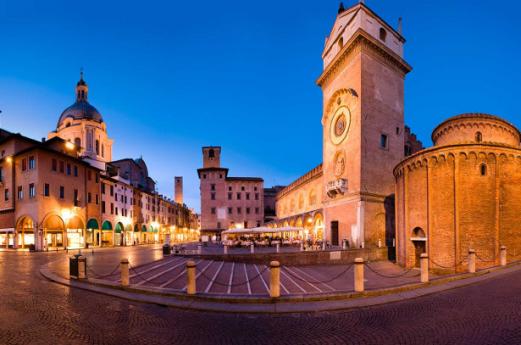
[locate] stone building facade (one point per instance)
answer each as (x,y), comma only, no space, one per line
(228,202)
(346,197)
(462,193)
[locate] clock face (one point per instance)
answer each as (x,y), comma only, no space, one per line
(339,126)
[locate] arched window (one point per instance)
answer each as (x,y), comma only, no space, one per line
(483,169)
(383,34)
(77,142)
(97,147)
(479,137)
(211,153)
(102,150)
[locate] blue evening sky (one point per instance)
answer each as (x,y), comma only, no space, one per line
(172,76)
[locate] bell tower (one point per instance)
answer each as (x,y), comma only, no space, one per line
(363,125)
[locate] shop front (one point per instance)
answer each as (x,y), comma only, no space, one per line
(107,239)
(75,233)
(92,237)
(118,234)
(7,238)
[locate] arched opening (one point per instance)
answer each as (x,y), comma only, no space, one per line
(106,234)
(318,227)
(118,234)
(211,153)
(479,137)
(483,169)
(383,34)
(25,232)
(54,232)
(129,235)
(144,233)
(75,229)
(77,142)
(419,240)
(93,235)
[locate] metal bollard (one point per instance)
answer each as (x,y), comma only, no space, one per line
(359,275)
(252,248)
(190,275)
(424,267)
(472,261)
(199,249)
(225,249)
(82,267)
(278,247)
(274,279)
(503,256)
(123,266)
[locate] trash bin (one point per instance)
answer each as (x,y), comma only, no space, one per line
(73,266)
(166,249)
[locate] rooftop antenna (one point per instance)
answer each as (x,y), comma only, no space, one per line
(400,25)
(341,8)
(81,73)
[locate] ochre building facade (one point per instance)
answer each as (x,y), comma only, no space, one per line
(463,193)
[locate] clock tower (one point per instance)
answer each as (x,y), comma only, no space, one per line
(363,126)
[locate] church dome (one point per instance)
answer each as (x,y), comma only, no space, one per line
(81,109)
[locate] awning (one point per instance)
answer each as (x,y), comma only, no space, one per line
(10,230)
(92,224)
(262,230)
(106,226)
(119,228)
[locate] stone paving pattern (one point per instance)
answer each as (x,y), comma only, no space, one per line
(36,311)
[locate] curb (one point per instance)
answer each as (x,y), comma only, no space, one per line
(288,304)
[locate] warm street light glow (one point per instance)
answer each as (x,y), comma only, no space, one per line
(9,159)
(66,215)
(69,145)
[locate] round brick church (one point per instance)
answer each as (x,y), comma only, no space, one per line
(463,193)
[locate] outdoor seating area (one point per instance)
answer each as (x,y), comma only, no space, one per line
(267,237)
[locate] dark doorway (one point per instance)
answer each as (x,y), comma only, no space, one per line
(419,249)
(334,233)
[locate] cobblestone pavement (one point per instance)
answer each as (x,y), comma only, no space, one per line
(35,311)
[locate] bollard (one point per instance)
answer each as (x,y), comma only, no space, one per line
(199,249)
(123,266)
(225,249)
(379,243)
(359,275)
(252,248)
(503,256)
(424,267)
(324,245)
(472,261)
(301,246)
(82,267)
(274,279)
(344,244)
(278,247)
(190,275)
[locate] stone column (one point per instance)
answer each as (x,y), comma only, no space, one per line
(124,268)
(190,276)
(424,267)
(274,279)
(503,256)
(359,275)
(472,261)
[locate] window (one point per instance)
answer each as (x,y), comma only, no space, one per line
(6,194)
(24,164)
(102,150)
(211,153)
(247,210)
(230,188)
(256,210)
(218,225)
(62,192)
(220,175)
(255,188)
(238,196)
(383,34)
(76,171)
(103,207)
(239,210)
(97,177)
(1,174)
(103,188)
(89,197)
(256,196)
(483,169)
(68,169)
(479,137)
(383,141)
(97,147)
(111,208)
(97,199)
(54,165)
(340,42)
(204,176)
(213,210)
(20,193)
(116,197)
(89,175)
(213,196)
(116,211)
(46,190)
(62,166)
(242,188)
(229,196)
(77,142)
(32,191)
(212,186)
(230,210)
(111,190)
(247,196)
(32,163)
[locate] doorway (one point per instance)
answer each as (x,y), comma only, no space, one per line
(334,233)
